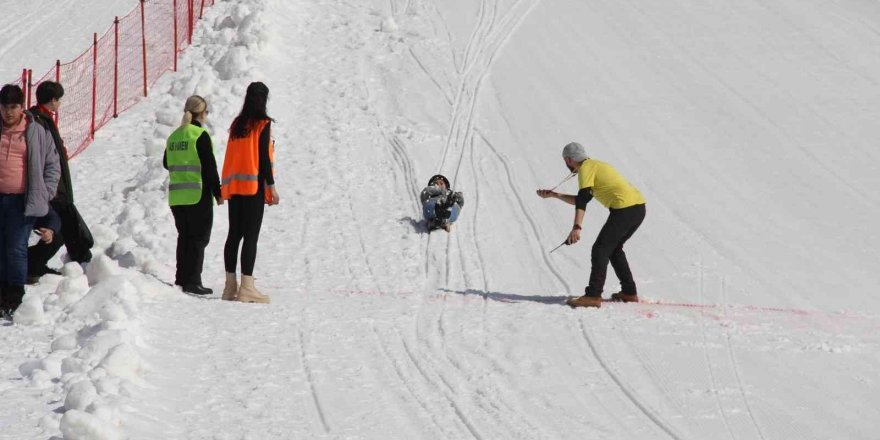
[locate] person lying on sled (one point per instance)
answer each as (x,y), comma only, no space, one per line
(440,205)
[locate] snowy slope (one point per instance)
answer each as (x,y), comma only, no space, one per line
(40,32)
(747,127)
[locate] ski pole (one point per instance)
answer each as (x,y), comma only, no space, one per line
(574,173)
(557,247)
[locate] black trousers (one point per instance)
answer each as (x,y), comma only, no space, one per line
(620,226)
(245,220)
(194,223)
(40,254)
(78,249)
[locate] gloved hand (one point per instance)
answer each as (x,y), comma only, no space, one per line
(458,198)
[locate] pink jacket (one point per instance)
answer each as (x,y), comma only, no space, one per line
(42,168)
(13,159)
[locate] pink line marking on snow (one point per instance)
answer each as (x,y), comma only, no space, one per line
(733,307)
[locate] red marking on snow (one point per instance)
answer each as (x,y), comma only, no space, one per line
(372,292)
(730,306)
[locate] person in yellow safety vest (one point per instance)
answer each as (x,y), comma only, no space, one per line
(601,181)
(248,184)
(193,187)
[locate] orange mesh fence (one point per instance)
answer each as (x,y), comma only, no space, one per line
(116,72)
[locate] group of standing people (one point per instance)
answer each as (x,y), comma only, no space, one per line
(36,193)
(247,183)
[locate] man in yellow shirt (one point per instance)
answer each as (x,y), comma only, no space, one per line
(601,181)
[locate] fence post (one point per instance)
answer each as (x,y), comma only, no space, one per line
(30,86)
(116,67)
(24,80)
(58,80)
(190,22)
(174,14)
(94,80)
(144,45)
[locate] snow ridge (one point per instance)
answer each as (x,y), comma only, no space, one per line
(95,366)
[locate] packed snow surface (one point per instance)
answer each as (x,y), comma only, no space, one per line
(750,127)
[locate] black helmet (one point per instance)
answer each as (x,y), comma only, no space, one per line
(439,177)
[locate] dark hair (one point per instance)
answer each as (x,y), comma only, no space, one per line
(437,177)
(11,94)
(253,111)
(49,90)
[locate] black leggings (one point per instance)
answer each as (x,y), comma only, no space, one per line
(620,226)
(245,219)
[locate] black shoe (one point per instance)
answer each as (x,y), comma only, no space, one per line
(197,289)
(2,301)
(12,296)
(34,277)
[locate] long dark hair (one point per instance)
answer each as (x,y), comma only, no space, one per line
(253,110)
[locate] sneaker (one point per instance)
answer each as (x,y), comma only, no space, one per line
(585,301)
(625,297)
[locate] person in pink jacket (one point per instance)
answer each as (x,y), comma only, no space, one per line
(29,174)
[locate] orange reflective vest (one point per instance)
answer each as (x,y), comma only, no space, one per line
(241,167)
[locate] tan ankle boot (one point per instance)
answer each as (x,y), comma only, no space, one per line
(585,301)
(248,293)
(230,291)
(625,297)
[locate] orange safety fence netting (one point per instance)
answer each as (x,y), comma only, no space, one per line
(116,72)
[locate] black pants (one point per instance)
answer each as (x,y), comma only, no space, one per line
(40,254)
(78,248)
(620,226)
(245,220)
(193,224)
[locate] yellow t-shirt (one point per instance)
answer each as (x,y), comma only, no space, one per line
(609,187)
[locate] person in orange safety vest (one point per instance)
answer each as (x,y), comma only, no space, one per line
(248,183)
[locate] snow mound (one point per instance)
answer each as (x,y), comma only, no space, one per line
(96,361)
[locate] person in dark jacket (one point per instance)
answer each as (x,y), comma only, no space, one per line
(49,94)
(440,205)
(47,226)
(29,173)
(193,189)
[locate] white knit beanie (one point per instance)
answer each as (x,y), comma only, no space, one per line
(575,151)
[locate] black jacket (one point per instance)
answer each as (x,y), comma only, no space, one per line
(65,188)
(265,162)
(50,221)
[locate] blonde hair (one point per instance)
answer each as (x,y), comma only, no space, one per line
(195,105)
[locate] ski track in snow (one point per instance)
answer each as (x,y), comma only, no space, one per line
(378,328)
